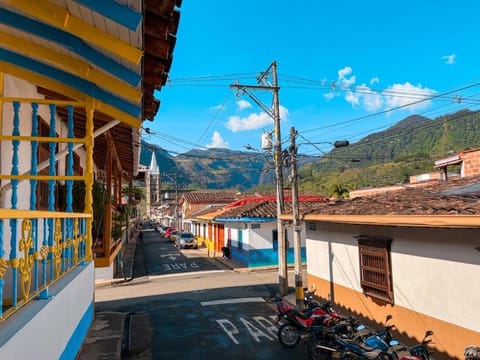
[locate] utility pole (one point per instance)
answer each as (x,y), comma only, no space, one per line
(282,246)
(177,225)
(274,113)
(297,227)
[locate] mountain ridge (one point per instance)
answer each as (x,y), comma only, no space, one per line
(410,145)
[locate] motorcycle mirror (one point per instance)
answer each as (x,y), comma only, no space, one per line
(429,333)
(389,317)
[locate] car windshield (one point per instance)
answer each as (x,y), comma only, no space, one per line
(186,235)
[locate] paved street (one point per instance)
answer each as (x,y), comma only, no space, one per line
(183,305)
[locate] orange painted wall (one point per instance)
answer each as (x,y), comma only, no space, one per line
(449,341)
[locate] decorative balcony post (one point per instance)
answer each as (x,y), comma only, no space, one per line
(89,143)
(33,186)
(13,203)
(69,183)
(51,190)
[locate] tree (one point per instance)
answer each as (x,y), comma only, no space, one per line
(340,191)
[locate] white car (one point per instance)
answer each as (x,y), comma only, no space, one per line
(186,239)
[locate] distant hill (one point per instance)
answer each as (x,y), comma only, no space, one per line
(211,168)
(388,157)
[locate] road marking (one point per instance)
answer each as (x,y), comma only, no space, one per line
(232,301)
(171,256)
(266,331)
(190,273)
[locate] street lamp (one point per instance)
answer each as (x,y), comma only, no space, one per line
(297,227)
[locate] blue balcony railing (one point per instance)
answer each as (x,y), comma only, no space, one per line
(42,236)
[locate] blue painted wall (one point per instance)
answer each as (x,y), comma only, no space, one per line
(263,257)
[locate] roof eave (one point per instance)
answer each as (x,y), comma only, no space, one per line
(435,221)
(246,219)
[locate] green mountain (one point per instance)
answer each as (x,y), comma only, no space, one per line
(409,147)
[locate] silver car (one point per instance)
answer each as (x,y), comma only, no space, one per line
(186,239)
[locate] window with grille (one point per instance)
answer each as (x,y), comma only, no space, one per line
(375,267)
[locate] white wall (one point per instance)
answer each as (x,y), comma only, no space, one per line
(43,328)
(435,271)
(261,238)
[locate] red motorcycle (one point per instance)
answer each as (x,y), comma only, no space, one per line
(300,323)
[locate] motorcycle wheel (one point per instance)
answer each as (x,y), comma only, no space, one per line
(288,335)
(384,356)
(349,357)
(316,353)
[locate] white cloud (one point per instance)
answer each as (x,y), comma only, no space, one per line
(254,121)
(343,79)
(217,141)
(352,97)
(243,104)
(407,94)
(396,95)
(283,113)
(251,122)
(449,59)
(372,101)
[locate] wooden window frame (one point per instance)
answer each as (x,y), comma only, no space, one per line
(375,267)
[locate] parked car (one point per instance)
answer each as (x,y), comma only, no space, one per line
(173,235)
(186,239)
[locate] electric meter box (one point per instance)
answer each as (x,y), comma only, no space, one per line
(267,143)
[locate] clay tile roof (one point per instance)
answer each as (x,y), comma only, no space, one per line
(206,210)
(460,197)
(211,196)
(264,209)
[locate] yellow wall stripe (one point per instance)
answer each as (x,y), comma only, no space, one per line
(61,88)
(72,65)
(61,18)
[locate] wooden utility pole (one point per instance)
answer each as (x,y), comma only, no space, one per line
(274,113)
(297,227)
(282,246)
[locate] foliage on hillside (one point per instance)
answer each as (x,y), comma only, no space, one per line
(410,147)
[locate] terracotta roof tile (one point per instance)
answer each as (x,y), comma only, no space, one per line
(211,196)
(206,210)
(458,197)
(263,209)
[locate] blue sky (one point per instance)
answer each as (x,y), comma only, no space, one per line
(345,69)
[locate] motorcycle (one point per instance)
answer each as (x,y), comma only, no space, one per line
(472,352)
(417,352)
(361,341)
(299,323)
(310,303)
(380,339)
(351,349)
